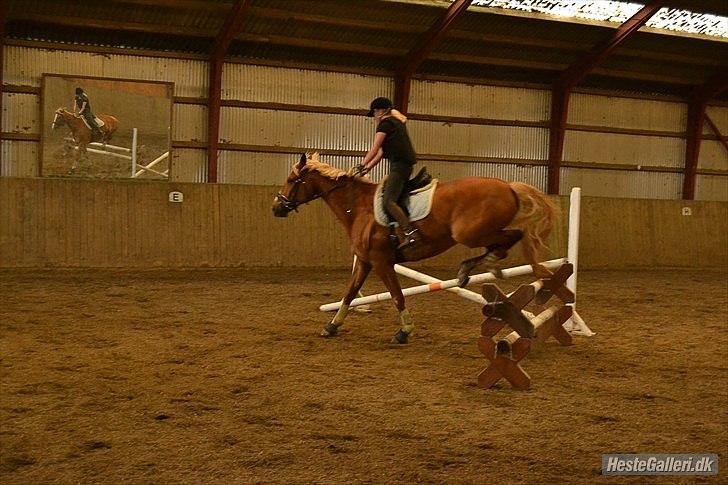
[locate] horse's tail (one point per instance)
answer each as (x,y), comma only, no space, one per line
(535,217)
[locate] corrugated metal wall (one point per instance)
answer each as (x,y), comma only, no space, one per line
(621,149)
(617,183)
(641,114)
(25,65)
(478,101)
(509,143)
(300,86)
(291,129)
(634,150)
(509,152)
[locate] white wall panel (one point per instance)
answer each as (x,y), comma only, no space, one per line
(21,113)
(612,111)
(285,128)
(188,165)
(302,86)
(584,146)
(19,158)
(535,175)
(615,183)
(711,187)
(719,115)
(252,168)
(479,140)
(477,101)
(25,66)
(189,122)
(713,155)
(256,168)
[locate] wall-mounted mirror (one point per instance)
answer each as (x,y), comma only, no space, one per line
(105,128)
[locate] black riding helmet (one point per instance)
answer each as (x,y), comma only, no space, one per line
(79,91)
(379,103)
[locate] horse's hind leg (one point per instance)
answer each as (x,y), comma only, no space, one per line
(497,246)
(358,276)
(389,278)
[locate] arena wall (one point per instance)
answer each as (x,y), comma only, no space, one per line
(84,223)
(616,145)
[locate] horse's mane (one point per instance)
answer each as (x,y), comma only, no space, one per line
(314,164)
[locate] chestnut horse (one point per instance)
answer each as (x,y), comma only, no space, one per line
(82,134)
(477,212)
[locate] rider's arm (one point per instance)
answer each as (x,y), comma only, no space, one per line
(374,155)
(83,107)
(377,158)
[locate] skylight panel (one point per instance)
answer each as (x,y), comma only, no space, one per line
(617,12)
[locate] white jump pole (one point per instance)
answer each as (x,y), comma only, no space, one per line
(444,285)
(575,324)
(151,164)
(107,146)
(111,154)
(425,278)
(133,152)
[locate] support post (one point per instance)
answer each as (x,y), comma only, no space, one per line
(3,10)
(230,30)
(133,152)
(693,137)
(573,75)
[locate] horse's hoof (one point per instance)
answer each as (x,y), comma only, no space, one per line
(400,338)
(497,273)
(463,280)
(330,330)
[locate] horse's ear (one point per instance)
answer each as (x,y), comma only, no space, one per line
(302,161)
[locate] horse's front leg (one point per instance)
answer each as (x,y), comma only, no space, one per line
(389,278)
(358,276)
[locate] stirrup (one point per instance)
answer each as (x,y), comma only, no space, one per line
(410,239)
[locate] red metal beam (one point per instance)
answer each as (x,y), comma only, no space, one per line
(228,32)
(694,130)
(694,133)
(415,57)
(3,10)
(717,132)
(574,74)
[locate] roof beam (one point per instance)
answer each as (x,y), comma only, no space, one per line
(228,32)
(717,83)
(573,75)
(430,40)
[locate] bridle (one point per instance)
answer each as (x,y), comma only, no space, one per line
(290,204)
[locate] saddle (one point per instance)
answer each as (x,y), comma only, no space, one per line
(99,122)
(416,199)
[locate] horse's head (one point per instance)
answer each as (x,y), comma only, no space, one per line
(296,191)
(59,118)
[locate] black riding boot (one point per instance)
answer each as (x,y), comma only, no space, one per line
(410,235)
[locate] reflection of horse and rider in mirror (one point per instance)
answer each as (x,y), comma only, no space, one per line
(84,125)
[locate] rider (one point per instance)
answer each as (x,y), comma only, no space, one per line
(391,141)
(82,107)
